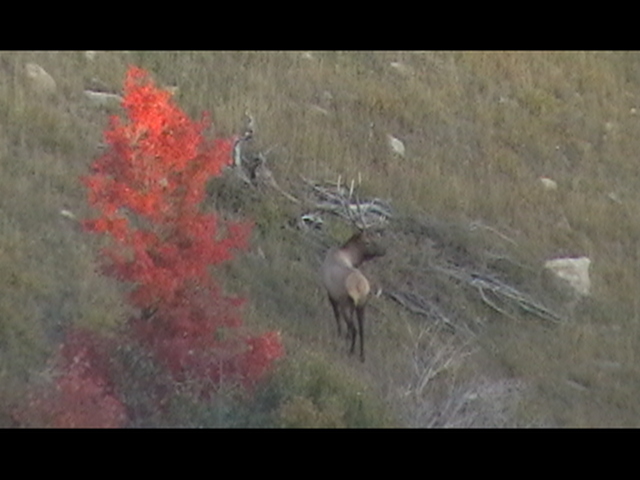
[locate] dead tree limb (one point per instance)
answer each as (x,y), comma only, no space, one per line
(338,200)
(417,304)
(506,293)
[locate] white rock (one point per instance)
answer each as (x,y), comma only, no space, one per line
(319,109)
(548,184)
(613,196)
(172,89)
(401,68)
(327,96)
(90,55)
(574,271)
(396,145)
(40,79)
(101,98)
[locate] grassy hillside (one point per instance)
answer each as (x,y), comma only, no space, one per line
(479,130)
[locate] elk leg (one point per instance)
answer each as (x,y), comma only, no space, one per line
(336,313)
(360,312)
(352,330)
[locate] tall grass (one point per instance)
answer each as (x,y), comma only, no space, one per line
(479,129)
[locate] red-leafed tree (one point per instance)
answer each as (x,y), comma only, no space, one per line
(148,188)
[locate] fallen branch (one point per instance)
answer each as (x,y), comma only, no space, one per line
(478,224)
(508,294)
(254,171)
(417,304)
(336,199)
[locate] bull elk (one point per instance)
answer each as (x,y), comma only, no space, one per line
(346,286)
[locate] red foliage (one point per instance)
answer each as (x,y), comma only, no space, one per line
(147,189)
(157,169)
(83,395)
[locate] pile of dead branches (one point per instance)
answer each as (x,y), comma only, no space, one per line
(507,299)
(497,294)
(338,199)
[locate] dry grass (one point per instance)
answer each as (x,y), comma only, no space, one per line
(479,129)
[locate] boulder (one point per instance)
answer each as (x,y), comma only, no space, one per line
(40,80)
(574,271)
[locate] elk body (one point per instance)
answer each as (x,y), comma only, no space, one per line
(346,286)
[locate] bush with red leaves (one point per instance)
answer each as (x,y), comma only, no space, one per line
(83,396)
(147,189)
(156,171)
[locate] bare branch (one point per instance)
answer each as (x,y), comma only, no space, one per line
(417,304)
(332,198)
(478,224)
(254,171)
(508,294)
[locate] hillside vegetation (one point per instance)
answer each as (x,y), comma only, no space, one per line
(479,130)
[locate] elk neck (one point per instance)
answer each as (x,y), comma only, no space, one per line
(352,255)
